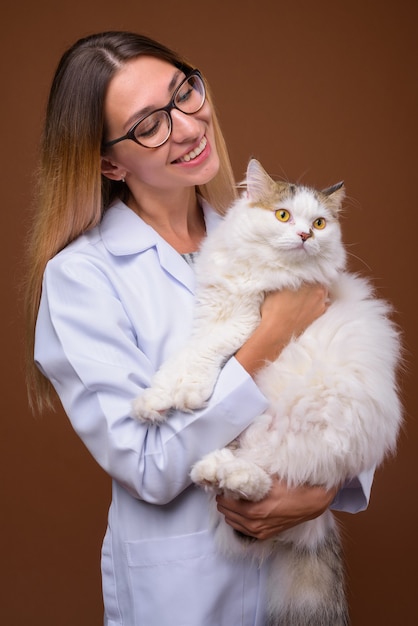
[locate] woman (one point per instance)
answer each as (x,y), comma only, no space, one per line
(134,173)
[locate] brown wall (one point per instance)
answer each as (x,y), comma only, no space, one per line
(318,91)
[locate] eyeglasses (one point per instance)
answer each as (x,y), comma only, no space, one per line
(152,130)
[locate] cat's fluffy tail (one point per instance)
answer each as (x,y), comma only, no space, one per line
(306,586)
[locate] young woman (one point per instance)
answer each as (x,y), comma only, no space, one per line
(134,173)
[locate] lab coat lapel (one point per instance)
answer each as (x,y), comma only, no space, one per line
(124,232)
(173,263)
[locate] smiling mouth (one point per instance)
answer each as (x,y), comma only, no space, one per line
(193,153)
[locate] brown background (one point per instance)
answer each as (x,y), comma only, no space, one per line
(318,91)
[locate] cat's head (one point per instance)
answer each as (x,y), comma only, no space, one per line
(300,223)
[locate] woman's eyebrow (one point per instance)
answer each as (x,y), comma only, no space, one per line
(149,109)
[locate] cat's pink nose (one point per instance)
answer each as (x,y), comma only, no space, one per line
(305,236)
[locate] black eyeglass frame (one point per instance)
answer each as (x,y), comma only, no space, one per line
(168,108)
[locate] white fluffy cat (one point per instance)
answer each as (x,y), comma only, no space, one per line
(333,409)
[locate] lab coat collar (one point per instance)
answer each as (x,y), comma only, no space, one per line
(123,232)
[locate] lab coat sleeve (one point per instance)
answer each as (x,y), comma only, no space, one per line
(86,345)
(354,496)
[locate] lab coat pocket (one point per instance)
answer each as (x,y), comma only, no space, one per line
(183,581)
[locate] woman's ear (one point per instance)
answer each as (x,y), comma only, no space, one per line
(111,170)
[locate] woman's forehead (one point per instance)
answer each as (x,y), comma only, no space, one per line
(139,86)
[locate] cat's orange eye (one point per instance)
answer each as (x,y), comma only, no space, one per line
(319,223)
(282,215)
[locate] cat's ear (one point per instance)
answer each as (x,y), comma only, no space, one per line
(260,185)
(335,196)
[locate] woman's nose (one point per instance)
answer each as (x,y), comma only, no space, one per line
(184,126)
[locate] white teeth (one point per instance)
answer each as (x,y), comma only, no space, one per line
(194,153)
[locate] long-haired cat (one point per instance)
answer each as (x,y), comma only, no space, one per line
(333,409)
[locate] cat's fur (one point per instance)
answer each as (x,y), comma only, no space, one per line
(333,409)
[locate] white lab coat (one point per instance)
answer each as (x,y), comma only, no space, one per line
(115,304)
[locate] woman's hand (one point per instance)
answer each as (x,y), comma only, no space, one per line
(284,314)
(281,509)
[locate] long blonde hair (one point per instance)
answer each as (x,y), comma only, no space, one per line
(72,194)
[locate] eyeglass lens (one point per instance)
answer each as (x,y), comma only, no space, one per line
(155,129)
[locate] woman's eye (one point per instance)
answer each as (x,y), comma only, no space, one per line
(149,131)
(319,223)
(282,215)
(148,127)
(184,94)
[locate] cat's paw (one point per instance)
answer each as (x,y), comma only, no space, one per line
(205,471)
(244,479)
(191,394)
(151,406)
(222,471)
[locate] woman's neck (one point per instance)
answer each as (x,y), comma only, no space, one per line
(178,218)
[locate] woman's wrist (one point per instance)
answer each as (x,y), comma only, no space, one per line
(284,314)
(261,347)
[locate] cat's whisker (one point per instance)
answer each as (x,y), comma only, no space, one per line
(301,177)
(362,261)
